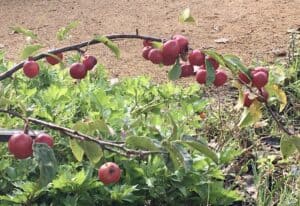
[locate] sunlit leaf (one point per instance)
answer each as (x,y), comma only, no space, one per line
(76,149)
(175,72)
(25,32)
(157,45)
(92,150)
(186,16)
(251,115)
(275,90)
(63,33)
(111,45)
(144,143)
(30,50)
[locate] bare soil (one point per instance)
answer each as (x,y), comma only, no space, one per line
(254,28)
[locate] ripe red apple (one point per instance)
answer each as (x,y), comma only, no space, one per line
(213,62)
(89,62)
(168,60)
(155,56)
(78,71)
(247,100)
(196,57)
(182,42)
(20,145)
(220,77)
(259,79)
(265,95)
(146,51)
(31,68)
(201,76)
(44,138)
(260,69)
(170,49)
(186,70)
(109,173)
(147,43)
(243,78)
(54,60)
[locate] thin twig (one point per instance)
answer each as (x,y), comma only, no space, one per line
(110,146)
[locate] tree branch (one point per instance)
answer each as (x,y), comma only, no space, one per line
(77,47)
(110,146)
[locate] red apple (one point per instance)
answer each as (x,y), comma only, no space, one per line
(260,69)
(187,70)
(220,77)
(247,100)
(146,51)
(196,57)
(243,78)
(147,43)
(109,173)
(89,62)
(259,79)
(55,59)
(264,95)
(44,138)
(167,61)
(213,62)
(201,76)
(31,68)
(20,145)
(78,71)
(170,49)
(155,56)
(182,42)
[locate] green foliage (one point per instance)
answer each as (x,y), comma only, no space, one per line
(111,45)
(30,50)
(175,72)
(186,16)
(24,31)
(64,32)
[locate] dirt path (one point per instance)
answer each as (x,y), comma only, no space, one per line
(254,28)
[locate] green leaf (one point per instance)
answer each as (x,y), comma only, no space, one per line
(287,147)
(142,143)
(184,157)
(179,156)
(63,33)
(275,90)
(175,72)
(210,73)
(30,50)
(174,135)
(218,57)
(202,148)
(157,45)
(251,115)
(25,32)
(234,63)
(186,16)
(77,151)
(45,157)
(111,45)
(92,150)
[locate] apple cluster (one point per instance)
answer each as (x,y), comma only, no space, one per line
(195,64)
(20,144)
(258,78)
(77,70)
